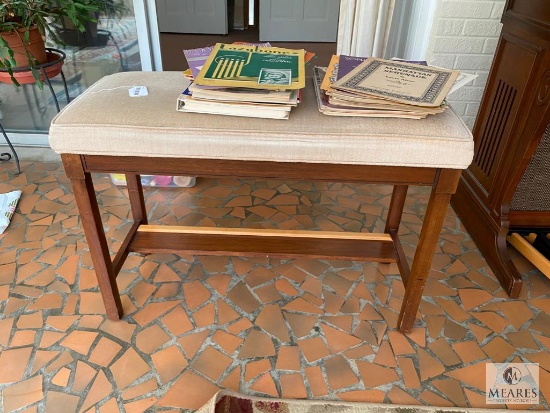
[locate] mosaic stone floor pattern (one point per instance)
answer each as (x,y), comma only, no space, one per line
(286,328)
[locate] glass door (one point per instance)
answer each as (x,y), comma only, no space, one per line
(112,44)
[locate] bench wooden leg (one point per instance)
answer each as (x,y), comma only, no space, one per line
(429,237)
(86,201)
(137,203)
(398,197)
(393,220)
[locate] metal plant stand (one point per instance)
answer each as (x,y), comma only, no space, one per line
(46,75)
(7,156)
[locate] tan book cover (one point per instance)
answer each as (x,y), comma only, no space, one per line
(397,81)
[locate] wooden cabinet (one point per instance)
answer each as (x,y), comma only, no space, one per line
(508,184)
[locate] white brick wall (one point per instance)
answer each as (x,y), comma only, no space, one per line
(464,37)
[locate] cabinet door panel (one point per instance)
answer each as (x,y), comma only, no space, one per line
(192,16)
(299,20)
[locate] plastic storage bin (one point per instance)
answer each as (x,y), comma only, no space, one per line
(163,181)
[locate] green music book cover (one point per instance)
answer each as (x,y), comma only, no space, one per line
(234,65)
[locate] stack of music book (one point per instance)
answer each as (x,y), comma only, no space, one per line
(372,87)
(245,80)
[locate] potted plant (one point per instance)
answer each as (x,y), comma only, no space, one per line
(25,23)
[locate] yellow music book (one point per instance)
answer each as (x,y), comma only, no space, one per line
(255,67)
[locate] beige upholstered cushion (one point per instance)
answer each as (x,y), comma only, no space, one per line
(105,120)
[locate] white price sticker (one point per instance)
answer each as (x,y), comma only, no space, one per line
(138,91)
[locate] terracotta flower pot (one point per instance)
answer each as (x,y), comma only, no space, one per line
(35,46)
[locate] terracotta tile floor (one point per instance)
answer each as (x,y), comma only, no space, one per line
(289,328)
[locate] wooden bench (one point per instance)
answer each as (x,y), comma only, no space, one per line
(106,130)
